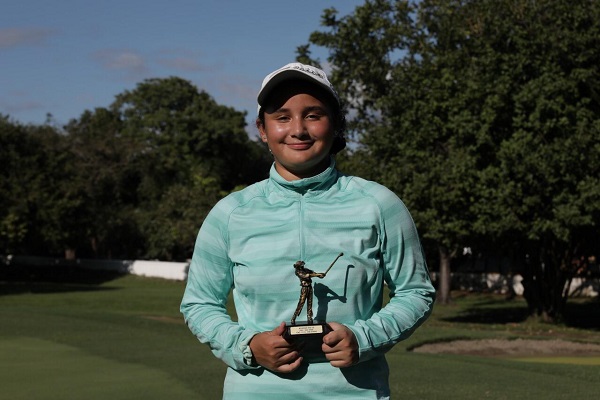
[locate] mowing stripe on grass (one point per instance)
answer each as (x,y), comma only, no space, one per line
(561,360)
(116,341)
(35,369)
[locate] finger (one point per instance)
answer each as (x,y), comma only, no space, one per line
(281,346)
(327,350)
(341,363)
(291,367)
(331,349)
(342,358)
(338,333)
(335,326)
(288,358)
(333,338)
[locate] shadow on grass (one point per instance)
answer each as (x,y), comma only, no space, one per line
(585,315)
(480,314)
(579,313)
(55,279)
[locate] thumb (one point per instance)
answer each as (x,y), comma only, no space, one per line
(332,338)
(279,330)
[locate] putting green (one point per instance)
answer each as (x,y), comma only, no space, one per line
(37,369)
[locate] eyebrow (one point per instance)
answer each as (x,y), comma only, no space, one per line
(307,109)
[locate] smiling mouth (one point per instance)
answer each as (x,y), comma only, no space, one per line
(300,145)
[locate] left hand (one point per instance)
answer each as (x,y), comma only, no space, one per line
(340,346)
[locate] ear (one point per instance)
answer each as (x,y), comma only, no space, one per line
(261,130)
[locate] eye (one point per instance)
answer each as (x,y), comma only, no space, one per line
(282,118)
(315,113)
(314,116)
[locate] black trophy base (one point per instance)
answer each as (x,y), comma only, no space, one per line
(309,335)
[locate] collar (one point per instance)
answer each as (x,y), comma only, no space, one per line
(311,185)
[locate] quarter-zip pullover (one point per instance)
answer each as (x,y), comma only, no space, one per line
(249,243)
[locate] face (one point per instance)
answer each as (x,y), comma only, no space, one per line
(299,131)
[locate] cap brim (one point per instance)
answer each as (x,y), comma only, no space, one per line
(285,76)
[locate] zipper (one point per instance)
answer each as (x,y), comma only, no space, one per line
(301,227)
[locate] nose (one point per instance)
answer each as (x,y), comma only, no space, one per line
(298,128)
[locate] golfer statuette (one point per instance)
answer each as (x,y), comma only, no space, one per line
(309,329)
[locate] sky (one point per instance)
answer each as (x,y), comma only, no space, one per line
(65,57)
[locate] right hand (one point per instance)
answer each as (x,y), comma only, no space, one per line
(273,352)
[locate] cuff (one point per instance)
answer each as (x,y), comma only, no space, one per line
(249,359)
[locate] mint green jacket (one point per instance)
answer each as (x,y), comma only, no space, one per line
(249,243)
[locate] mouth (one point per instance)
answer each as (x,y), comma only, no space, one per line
(300,145)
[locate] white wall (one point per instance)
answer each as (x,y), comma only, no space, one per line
(156,269)
(160,269)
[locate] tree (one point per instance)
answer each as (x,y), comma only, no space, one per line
(40,211)
(465,108)
(182,127)
(170,229)
(106,176)
(17,153)
(192,151)
(135,179)
(547,172)
(402,99)
(154,162)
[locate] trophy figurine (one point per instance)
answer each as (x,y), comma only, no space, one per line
(311,331)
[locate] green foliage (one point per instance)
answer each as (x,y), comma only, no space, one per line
(484,116)
(186,152)
(181,129)
(37,200)
(16,150)
(134,180)
(171,228)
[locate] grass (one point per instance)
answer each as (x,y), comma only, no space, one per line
(562,360)
(129,327)
(36,368)
(123,338)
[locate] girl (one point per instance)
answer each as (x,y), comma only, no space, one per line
(306,210)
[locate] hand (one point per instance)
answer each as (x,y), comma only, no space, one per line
(273,352)
(340,346)
(321,275)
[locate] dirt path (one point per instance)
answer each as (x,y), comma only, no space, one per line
(517,347)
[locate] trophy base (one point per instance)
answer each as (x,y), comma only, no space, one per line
(310,335)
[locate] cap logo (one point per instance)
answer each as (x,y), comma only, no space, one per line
(276,77)
(309,70)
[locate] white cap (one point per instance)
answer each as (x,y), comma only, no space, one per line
(295,71)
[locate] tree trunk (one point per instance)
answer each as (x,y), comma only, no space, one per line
(544,282)
(443,295)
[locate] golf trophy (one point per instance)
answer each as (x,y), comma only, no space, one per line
(309,332)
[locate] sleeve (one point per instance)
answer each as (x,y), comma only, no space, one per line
(405,272)
(209,282)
